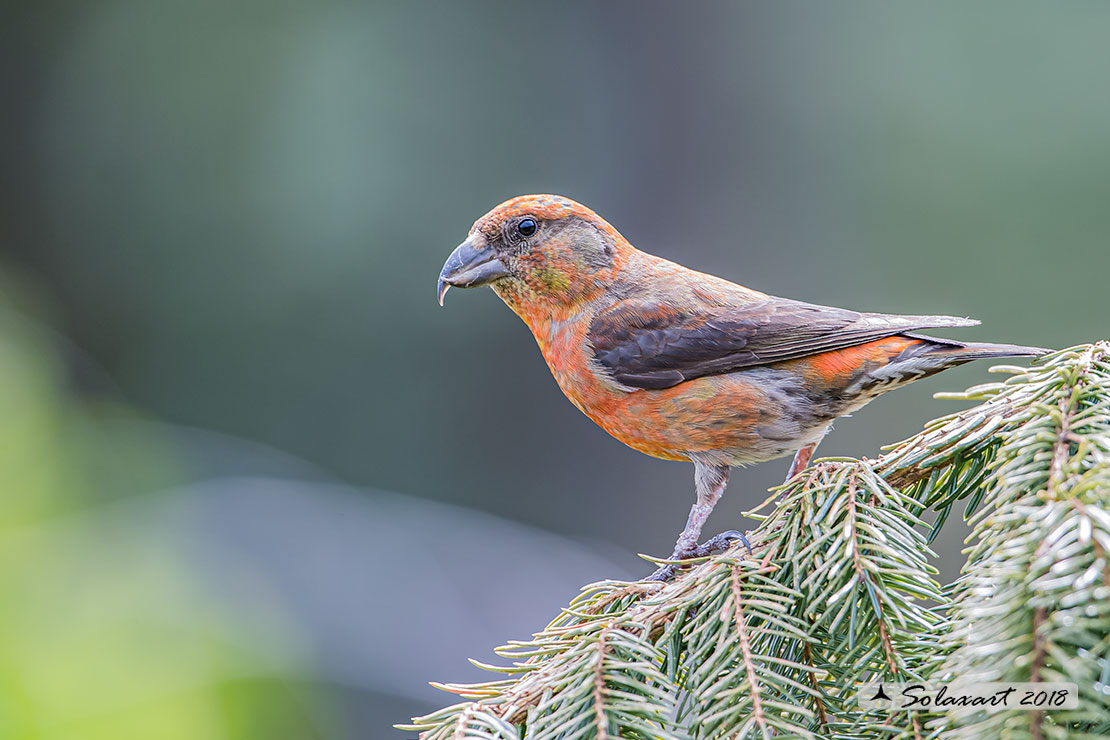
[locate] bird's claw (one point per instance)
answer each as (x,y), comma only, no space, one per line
(712,546)
(720,543)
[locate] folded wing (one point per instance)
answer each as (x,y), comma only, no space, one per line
(655,345)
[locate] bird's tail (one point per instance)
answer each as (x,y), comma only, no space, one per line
(960,352)
(930,355)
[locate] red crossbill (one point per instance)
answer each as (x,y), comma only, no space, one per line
(683,365)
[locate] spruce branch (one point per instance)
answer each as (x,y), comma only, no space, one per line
(839,590)
(1033,603)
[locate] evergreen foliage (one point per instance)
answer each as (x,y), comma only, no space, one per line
(839,591)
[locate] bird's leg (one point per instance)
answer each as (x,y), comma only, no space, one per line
(709,483)
(722,541)
(801,459)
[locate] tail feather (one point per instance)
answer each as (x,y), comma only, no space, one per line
(986,350)
(968,351)
(931,355)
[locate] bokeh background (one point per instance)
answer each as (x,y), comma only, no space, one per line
(255,483)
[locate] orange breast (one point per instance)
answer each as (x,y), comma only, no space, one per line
(734,413)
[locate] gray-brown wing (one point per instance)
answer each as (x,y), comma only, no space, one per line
(646,344)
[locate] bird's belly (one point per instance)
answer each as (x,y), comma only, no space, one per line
(735,419)
(738,418)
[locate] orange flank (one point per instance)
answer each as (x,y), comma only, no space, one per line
(839,367)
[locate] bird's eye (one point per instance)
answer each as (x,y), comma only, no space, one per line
(527,227)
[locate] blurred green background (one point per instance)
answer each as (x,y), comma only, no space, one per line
(254,483)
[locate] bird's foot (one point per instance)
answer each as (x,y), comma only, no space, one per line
(720,543)
(712,546)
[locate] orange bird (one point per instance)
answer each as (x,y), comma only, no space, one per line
(683,365)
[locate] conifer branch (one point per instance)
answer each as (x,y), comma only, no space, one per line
(839,591)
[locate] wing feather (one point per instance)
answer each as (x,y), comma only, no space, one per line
(645,344)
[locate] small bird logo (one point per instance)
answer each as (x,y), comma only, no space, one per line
(683,365)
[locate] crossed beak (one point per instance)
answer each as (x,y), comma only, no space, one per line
(472,263)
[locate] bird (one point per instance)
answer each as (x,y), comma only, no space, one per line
(684,365)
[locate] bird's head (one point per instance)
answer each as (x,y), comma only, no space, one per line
(537,252)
